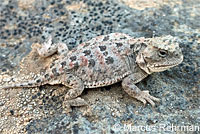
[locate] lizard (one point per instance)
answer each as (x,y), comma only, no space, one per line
(106,60)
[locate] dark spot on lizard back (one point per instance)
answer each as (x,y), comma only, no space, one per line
(106,38)
(87,52)
(38,81)
(63,63)
(76,66)
(102,48)
(109,60)
(54,71)
(119,44)
(46,76)
(105,53)
(143,44)
(131,46)
(30,84)
(91,63)
(83,72)
(73,58)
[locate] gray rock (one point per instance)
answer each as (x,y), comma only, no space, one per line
(73,22)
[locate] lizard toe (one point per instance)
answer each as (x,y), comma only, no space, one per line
(144,97)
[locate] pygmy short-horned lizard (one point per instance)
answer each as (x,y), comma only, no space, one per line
(105,60)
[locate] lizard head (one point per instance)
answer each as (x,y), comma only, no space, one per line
(160,53)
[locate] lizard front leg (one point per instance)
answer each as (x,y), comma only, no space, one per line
(48,48)
(129,86)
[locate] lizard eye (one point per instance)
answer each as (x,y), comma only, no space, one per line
(162,53)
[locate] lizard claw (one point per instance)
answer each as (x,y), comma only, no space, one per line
(145,97)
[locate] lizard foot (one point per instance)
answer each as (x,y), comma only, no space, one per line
(145,97)
(73,102)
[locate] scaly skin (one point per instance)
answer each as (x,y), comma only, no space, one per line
(106,60)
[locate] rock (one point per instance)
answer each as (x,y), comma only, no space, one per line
(112,111)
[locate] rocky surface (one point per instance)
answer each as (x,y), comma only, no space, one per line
(38,110)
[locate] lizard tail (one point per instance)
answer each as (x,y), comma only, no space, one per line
(11,83)
(24,84)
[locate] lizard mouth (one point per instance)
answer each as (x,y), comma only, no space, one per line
(163,67)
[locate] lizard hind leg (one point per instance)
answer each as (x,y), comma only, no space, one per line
(77,87)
